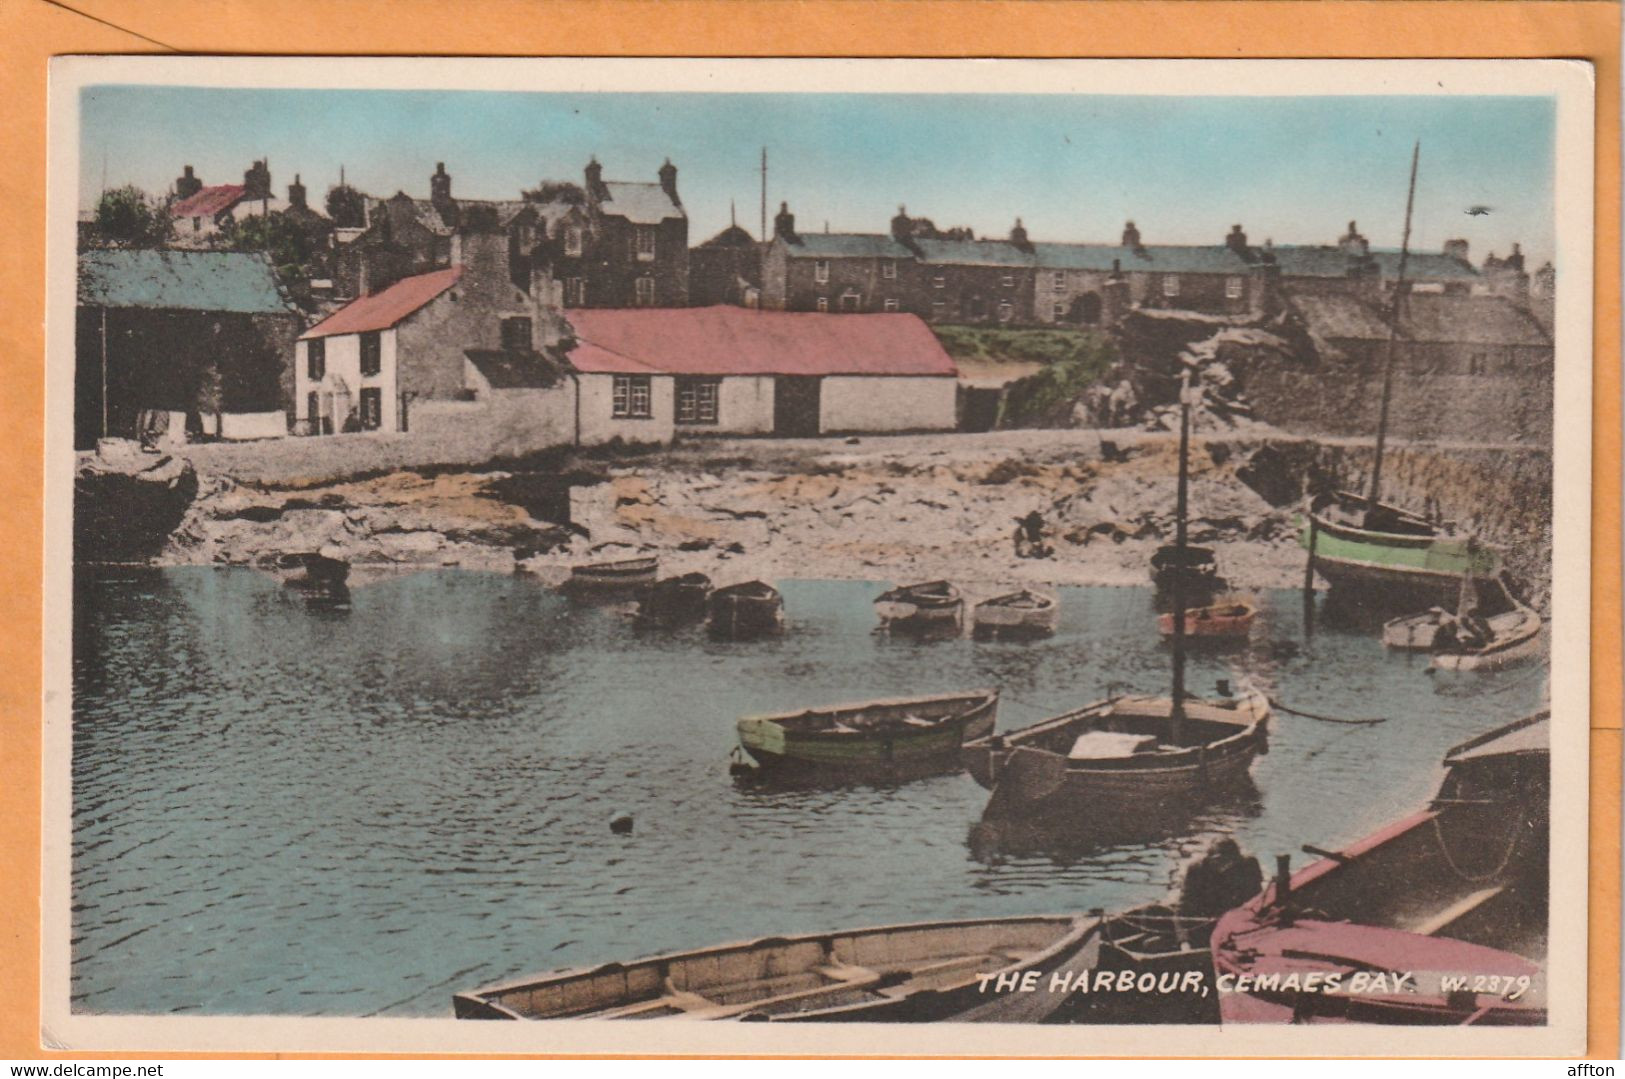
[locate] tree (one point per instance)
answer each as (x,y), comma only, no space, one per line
(347,207)
(294,249)
(128,215)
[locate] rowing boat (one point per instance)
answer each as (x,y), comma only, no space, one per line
(1454,896)
(743,611)
(1016,614)
(926,606)
(894,738)
(618,574)
(1388,555)
(922,972)
(1224,621)
(673,600)
(1121,755)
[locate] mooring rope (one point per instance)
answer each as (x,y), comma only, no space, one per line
(1278,706)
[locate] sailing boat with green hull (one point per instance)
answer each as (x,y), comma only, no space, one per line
(1381,552)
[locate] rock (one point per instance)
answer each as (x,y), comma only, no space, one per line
(621,825)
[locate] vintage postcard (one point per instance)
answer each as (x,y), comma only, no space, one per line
(1014,557)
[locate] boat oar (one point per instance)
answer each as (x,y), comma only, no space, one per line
(1279,707)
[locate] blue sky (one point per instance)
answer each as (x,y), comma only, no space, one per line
(1293,169)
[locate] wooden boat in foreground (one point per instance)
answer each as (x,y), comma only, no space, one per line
(1016,614)
(926,606)
(906,736)
(1223,621)
(617,574)
(743,611)
(923,972)
(1457,891)
(1508,631)
(1121,755)
(673,600)
(1194,571)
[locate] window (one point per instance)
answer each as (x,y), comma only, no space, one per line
(891,305)
(823,303)
(572,241)
(516,334)
(851,301)
(316,359)
(939,282)
(643,243)
(197,223)
(372,356)
(645,292)
(1057,280)
(1008,280)
(630,397)
(888,269)
(1006,312)
(1058,312)
(1478,363)
(1233,288)
(938,309)
(821,270)
(575,292)
(697,400)
(372,408)
(1170,285)
(313,413)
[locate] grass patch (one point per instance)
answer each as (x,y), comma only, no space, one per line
(999,344)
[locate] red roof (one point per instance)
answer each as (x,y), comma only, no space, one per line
(381,310)
(736,341)
(208,201)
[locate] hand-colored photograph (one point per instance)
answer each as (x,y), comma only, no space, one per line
(1072,552)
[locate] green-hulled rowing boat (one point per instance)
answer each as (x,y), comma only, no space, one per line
(905,737)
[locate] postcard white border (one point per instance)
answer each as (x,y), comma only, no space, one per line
(1570,82)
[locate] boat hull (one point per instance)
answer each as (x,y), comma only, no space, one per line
(892,752)
(614,576)
(743,613)
(1212,623)
(1420,571)
(1005,619)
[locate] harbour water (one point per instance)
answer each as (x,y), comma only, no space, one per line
(282,810)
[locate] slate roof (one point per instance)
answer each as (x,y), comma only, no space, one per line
(1297,260)
(208,201)
(639,203)
(732,236)
(973,253)
(1436,318)
(381,310)
(509,369)
(846,245)
(1156,258)
(1424,264)
(229,281)
(726,340)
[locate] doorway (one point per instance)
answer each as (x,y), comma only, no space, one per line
(796,401)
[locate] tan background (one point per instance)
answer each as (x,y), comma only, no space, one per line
(31,31)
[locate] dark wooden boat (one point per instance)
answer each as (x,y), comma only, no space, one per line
(1224,621)
(1457,891)
(1015,615)
(1192,570)
(930,605)
(621,573)
(896,738)
(926,972)
(674,600)
(1164,951)
(321,581)
(1121,756)
(743,611)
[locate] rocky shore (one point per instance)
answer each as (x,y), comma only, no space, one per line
(903,508)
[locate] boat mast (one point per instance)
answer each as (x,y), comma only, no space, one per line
(1176,715)
(1393,334)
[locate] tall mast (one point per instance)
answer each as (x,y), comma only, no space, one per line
(762,236)
(1393,334)
(1176,715)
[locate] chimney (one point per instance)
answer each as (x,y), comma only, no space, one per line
(594,173)
(902,226)
(784,224)
(296,193)
(1018,237)
(1131,235)
(1237,241)
(257,182)
(668,181)
(1456,249)
(1114,296)
(1353,244)
(440,185)
(188,184)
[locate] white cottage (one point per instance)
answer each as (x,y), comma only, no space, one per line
(645,375)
